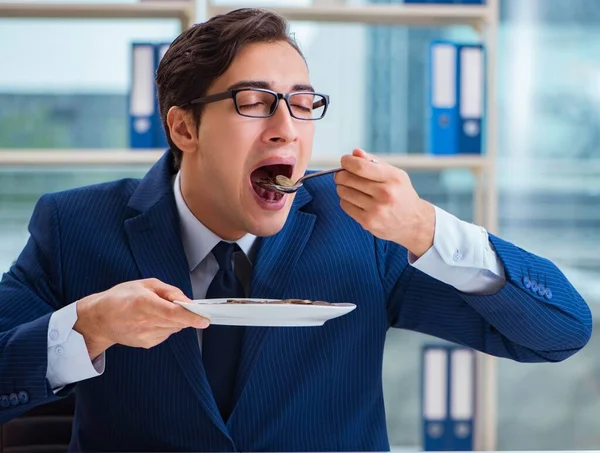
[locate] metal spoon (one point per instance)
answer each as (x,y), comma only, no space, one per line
(285,185)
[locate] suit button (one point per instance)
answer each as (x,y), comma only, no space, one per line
(14,399)
(23,397)
(541,290)
(548,294)
(534,286)
(4,401)
(526,282)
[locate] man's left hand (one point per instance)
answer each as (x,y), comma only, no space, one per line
(381,198)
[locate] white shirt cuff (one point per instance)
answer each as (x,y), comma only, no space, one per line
(68,357)
(461,256)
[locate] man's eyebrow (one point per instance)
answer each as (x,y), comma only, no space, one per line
(266,85)
(249,84)
(303,88)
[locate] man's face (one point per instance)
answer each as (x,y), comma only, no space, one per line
(233,151)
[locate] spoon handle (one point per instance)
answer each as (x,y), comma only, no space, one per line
(320,173)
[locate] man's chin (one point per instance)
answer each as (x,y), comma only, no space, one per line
(269,226)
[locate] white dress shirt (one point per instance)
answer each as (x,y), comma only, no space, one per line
(461,256)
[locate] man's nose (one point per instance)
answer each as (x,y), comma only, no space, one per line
(282,125)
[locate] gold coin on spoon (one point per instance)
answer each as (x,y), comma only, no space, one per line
(283,180)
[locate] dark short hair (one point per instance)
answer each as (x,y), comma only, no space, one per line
(205,51)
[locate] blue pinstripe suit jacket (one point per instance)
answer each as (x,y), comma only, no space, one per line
(298,389)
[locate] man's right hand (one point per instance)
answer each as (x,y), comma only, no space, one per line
(139,313)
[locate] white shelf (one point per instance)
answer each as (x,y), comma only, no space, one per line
(416,162)
(50,157)
(174,9)
(381,14)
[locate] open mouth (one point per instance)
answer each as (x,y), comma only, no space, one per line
(268,174)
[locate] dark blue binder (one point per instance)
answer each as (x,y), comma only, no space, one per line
(448,398)
(455,96)
(142,105)
(160,138)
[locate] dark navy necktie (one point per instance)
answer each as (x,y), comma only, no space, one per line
(221,344)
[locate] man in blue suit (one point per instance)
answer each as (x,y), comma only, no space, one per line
(88,306)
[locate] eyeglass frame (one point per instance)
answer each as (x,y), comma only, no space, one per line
(232,94)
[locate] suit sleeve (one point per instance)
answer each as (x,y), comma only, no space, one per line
(536,316)
(29,293)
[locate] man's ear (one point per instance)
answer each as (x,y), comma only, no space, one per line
(182,129)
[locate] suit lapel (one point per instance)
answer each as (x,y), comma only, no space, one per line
(154,238)
(274,265)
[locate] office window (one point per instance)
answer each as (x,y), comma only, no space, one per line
(550,151)
(66,81)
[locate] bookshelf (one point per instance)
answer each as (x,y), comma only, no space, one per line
(482,18)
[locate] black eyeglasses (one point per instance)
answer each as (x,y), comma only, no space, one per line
(261,103)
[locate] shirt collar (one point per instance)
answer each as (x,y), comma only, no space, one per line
(198,241)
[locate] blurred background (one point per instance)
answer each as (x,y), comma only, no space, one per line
(64,91)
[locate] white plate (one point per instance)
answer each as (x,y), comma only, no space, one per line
(292,315)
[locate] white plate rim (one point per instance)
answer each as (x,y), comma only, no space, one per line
(228,316)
